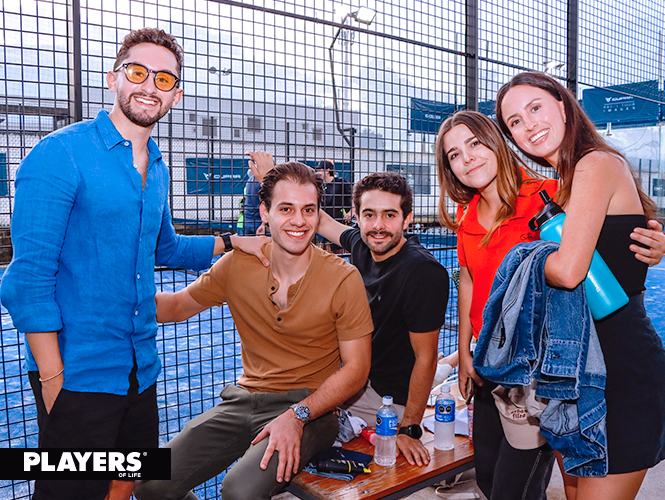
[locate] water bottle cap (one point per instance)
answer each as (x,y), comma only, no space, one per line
(445,389)
(550,210)
(387,400)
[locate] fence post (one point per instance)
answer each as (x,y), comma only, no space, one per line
(472,55)
(74,56)
(573,25)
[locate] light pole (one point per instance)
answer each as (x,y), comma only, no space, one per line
(209,129)
(365,16)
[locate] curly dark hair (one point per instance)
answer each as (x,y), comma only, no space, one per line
(150,35)
(390,182)
(292,171)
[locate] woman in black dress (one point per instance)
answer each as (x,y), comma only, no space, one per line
(603,203)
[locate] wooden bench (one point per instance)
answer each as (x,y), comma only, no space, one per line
(391,482)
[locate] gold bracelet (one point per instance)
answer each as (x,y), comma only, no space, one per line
(52,376)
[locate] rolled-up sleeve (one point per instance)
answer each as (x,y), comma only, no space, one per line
(46,186)
(178,251)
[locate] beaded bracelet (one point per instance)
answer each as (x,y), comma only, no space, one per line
(51,377)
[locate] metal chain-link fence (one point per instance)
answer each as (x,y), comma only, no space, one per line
(307,80)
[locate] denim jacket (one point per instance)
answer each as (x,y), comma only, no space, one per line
(532,331)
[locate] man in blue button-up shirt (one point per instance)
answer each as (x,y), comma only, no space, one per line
(91,221)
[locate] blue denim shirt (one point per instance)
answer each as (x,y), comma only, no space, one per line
(532,331)
(86,238)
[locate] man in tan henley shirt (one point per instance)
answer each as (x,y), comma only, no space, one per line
(305,329)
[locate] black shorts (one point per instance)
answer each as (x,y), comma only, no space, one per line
(93,420)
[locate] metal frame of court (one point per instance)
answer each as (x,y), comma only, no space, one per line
(305,81)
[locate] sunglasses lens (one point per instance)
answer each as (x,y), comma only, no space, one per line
(136,73)
(164,81)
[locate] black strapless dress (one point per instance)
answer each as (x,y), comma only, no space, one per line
(635,359)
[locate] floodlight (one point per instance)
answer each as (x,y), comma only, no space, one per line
(364,15)
(550,65)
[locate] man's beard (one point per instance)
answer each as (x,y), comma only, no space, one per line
(142,120)
(385,247)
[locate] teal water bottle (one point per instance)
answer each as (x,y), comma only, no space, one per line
(604,294)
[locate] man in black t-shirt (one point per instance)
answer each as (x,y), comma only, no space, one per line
(408,293)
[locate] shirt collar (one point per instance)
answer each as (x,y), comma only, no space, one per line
(107,130)
(112,137)
(470,222)
(313,271)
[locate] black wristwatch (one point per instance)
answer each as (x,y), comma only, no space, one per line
(413,431)
(301,411)
(226,238)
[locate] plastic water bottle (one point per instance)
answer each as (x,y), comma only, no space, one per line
(604,294)
(444,424)
(385,450)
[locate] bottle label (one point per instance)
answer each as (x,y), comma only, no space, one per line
(386,425)
(445,411)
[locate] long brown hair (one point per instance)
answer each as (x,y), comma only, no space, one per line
(580,139)
(509,170)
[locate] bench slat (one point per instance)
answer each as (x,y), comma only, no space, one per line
(383,482)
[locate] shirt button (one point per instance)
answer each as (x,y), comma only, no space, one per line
(136,313)
(126,143)
(138,276)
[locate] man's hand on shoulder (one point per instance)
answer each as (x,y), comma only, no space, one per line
(653,238)
(285,435)
(413,450)
(251,245)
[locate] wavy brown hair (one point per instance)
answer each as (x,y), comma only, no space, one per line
(154,36)
(580,139)
(509,170)
(292,171)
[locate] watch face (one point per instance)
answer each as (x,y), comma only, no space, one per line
(416,431)
(302,412)
(413,431)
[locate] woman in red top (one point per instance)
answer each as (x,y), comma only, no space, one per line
(479,171)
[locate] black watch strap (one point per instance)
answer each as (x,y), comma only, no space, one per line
(413,431)
(226,238)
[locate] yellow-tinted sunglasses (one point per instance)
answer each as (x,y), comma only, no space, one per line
(137,73)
